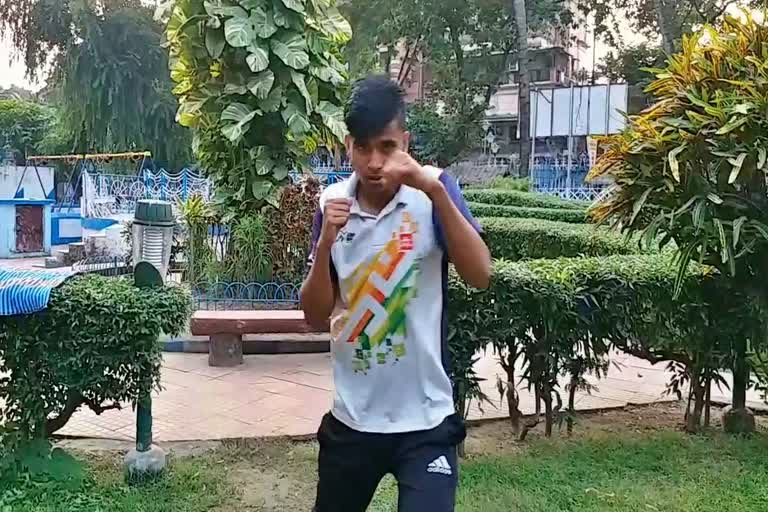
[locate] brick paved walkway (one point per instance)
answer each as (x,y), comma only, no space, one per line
(288,394)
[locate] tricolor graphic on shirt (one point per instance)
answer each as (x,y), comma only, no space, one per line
(376,302)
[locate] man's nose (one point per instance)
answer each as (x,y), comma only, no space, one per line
(377,160)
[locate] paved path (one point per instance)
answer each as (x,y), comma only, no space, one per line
(288,394)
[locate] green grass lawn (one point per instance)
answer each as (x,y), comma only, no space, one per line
(613,469)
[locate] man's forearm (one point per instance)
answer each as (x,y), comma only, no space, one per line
(318,295)
(466,248)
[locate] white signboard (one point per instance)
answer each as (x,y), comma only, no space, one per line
(580,111)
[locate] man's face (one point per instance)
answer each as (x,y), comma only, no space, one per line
(368,159)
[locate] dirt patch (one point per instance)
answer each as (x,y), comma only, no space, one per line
(270,476)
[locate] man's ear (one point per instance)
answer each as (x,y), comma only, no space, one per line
(406,141)
(349,142)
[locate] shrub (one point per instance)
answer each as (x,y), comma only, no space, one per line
(290,228)
(561,317)
(490,210)
(248,259)
(525,199)
(508,183)
(518,239)
(691,168)
(96,345)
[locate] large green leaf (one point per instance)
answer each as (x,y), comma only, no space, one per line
(261,188)
(215,42)
(235,89)
(239,32)
(336,25)
(296,119)
(333,117)
(264,22)
(291,49)
(280,172)
(298,80)
(327,74)
(294,5)
(261,160)
(274,100)
(240,116)
(258,58)
(261,84)
(286,18)
(216,9)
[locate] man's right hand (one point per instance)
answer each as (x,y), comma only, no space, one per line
(335,217)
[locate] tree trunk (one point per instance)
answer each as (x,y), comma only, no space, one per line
(663,19)
(708,402)
(513,399)
(53,425)
(740,375)
(524,79)
(693,421)
(548,412)
(572,403)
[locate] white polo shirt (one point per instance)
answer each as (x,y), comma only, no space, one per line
(389,328)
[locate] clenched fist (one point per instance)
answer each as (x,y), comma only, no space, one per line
(335,217)
(401,168)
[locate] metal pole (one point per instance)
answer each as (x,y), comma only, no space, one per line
(535,119)
(570,145)
(144,424)
(608,107)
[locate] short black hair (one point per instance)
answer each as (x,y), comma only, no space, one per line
(375,102)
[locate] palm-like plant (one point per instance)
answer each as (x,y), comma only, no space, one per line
(692,167)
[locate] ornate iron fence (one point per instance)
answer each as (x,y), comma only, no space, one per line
(239,296)
(567,180)
(107,195)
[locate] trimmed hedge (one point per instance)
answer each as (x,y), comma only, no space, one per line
(563,317)
(96,345)
(525,199)
(518,239)
(555,214)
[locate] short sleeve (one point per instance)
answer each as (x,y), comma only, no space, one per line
(454,192)
(317,225)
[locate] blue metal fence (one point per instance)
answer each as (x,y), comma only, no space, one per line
(239,296)
(566,179)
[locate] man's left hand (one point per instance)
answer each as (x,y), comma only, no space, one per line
(401,168)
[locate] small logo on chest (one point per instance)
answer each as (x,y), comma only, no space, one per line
(345,237)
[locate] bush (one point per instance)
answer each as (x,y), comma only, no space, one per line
(95,345)
(508,183)
(525,199)
(490,210)
(518,239)
(562,317)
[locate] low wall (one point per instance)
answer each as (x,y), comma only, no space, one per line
(66,227)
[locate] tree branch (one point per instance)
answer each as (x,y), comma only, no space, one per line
(74,401)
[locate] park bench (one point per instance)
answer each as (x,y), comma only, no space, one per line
(226,330)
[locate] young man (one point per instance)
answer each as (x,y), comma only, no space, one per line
(381,245)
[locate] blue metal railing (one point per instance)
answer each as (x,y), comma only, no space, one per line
(239,296)
(557,177)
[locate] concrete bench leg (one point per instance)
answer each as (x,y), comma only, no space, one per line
(225,350)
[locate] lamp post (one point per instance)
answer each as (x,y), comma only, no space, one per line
(152,239)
